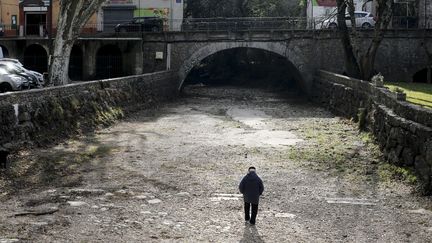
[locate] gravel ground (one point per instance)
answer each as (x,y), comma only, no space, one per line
(172,175)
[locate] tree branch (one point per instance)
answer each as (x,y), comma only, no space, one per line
(89,10)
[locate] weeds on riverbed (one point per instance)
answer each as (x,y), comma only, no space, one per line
(388,173)
(336,146)
(60,166)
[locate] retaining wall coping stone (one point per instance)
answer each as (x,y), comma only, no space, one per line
(6,97)
(384,96)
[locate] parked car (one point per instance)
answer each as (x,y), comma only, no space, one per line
(363,19)
(37,79)
(10,81)
(141,24)
(21,71)
(16,61)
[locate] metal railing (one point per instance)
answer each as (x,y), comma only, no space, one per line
(238,24)
(202,24)
(404,22)
(243,24)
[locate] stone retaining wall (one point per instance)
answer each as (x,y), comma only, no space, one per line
(403,130)
(42,116)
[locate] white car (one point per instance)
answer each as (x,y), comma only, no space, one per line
(363,19)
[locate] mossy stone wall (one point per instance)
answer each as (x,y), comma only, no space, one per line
(39,117)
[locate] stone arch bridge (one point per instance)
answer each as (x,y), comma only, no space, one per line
(401,54)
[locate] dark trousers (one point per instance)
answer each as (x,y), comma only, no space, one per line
(248,216)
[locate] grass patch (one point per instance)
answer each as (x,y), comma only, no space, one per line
(331,146)
(338,148)
(417,93)
(389,172)
(58,166)
(95,151)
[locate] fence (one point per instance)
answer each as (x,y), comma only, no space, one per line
(206,24)
(243,24)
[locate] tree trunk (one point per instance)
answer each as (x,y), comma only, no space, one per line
(59,75)
(368,59)
(351,64)
(367,66)
(359,63)
(72,18)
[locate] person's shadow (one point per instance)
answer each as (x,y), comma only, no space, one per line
(251,235)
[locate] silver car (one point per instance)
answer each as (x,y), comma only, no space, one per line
(10,81)
(16,61)
(37,78)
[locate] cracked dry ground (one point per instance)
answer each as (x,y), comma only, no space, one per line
(172,175)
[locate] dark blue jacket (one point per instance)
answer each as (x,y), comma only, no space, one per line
(251,187)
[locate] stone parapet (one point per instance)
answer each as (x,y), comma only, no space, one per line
(403,130)
(383,96)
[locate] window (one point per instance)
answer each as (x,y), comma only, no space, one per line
(360,15)
(3,71)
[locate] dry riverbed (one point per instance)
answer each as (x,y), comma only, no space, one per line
(171,175)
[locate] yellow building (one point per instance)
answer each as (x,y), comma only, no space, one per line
(9,16)
(90,27)
(35,17)
(39,18)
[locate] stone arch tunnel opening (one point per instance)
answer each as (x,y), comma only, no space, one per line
(76,64)
(246,67)
(36,58)
(4,51)
(109,62)
(423,76)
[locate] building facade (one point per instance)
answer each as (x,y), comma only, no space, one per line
(320,10)
(35,17)
(425,14)
(9,16)
(326,8)
(119,11)
(39,18)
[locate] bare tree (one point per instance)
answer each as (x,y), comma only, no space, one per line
(360,61)
(73,15)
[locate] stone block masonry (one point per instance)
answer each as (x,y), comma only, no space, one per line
(39,117)
(403,130)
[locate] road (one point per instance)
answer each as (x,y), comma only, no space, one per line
(171,175)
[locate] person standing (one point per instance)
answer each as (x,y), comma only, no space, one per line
(251,186)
